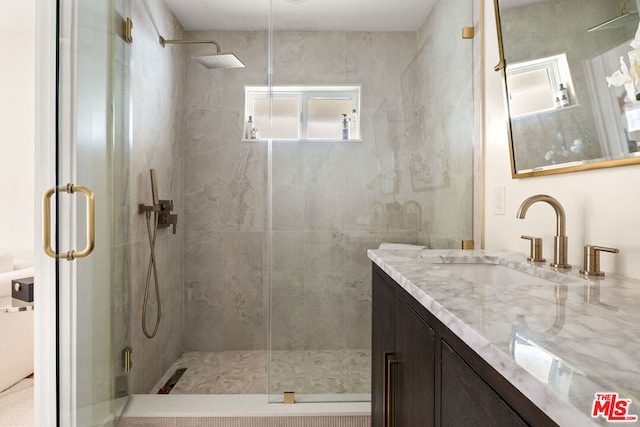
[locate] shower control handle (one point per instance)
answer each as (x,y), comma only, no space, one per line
(162,208)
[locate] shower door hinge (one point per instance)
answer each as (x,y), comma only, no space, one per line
(468,32)
(127,359)
(467,244)
(289,397)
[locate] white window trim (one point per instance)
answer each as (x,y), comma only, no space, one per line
(304,94)
(557,67)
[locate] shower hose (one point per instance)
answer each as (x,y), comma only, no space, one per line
(152,268)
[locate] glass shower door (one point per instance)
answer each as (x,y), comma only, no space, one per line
(90,212)
(409,180)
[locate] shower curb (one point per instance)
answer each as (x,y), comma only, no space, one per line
(287,421)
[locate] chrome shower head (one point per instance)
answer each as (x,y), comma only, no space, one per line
(219,60)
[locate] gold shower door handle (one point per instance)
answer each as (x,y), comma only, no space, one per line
(91,229)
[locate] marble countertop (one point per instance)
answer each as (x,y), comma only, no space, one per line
(559,344)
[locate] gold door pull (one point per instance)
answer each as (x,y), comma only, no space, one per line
(390,393)
(91,229)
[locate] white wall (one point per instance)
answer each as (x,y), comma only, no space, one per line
(17,49)
(602,206)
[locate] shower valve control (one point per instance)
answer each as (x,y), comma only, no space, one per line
(165,217)
(163,209)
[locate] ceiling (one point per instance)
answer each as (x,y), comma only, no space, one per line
(322,15)
(508,4)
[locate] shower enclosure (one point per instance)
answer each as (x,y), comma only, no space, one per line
(270,269)
(409,179)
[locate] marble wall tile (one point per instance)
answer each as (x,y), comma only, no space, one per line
(156,125)
(400,51)
(325,171)
(244,322)
(287,187)
(287,309)
(365,65)
(329,202)
(324,57)
(226,191)
(324,290)
(361,196)
(245,190)
(204,288)
(204,87)
(288,57)
(251,47)
(358,289)
(204,183)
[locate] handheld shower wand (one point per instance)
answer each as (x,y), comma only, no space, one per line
(162,217)
(154,188)
(152,257)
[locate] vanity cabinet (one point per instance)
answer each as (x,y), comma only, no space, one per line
(403,363)
(469,401)
(424,375)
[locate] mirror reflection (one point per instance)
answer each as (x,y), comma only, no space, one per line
(560,60)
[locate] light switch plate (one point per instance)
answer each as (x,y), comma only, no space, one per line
(498,200)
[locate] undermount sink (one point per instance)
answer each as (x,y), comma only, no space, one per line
(496,274)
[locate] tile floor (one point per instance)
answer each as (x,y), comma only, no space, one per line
(247,372)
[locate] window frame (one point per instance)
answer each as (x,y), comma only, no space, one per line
(305,93)
(557,69)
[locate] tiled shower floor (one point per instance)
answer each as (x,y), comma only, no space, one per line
(246,372)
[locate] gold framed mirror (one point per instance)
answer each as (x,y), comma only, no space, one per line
(556,61)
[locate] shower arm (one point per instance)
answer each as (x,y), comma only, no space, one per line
(163,42)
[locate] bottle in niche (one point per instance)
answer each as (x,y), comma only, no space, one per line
(345,127)
(248,128)
(354,124)
(563,94)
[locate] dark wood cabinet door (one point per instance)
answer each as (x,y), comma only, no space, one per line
(414,388)
(382,343)
(467,400)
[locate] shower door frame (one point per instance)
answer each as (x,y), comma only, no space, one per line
(45,360)
(63,377)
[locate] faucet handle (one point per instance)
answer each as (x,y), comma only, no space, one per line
(592,259)
(535,252)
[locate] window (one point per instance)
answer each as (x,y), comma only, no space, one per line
(539,85)
(304,112)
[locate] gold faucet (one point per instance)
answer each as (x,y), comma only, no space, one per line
(560,239)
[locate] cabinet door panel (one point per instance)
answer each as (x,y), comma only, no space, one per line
(383,340)
(414,373)
(467,400)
